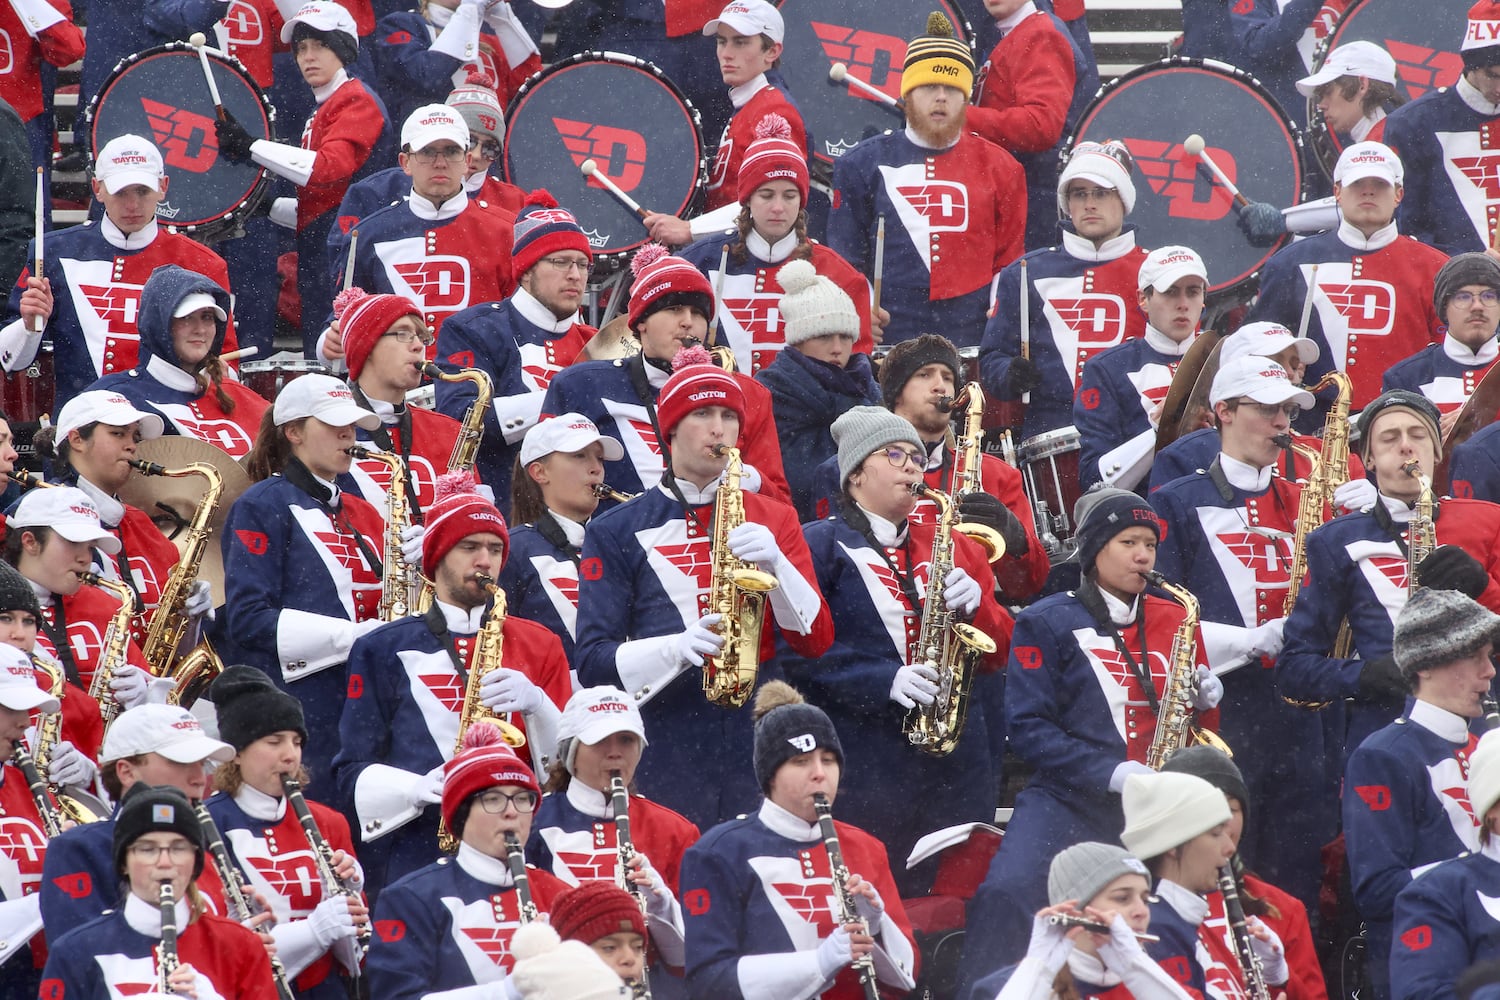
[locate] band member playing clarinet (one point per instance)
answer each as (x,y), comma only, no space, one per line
(314,929)
(747,884)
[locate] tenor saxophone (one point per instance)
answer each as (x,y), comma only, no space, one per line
(947,645)
(1421,536)
(192,672)
(471,432)
(400,582)
(968,451)
(737,591)
(1175,714)
(48,733)
(114,650)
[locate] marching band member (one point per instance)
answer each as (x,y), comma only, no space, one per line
(1352,90)
(941,263)
(89,290)
(1405,806)
(1121,389)
(574,835)
(446,929)
(1077,709)
(522,342)
(1359,567)
(408,684)
(670,303)
(266,840)
(608,920)
(873,562)
(771,229)
(1372,306)
(1096,268)
(157,842)
(562,463)
(184,318)
(644,618)
(747,883)
(302,557)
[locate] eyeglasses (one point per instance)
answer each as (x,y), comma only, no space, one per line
(1090,193)
(1270,410)
(567,265)
(494,801)
(1465,299)
(901,457)
(429,156)
(489,149)
(147,851)
(407,336)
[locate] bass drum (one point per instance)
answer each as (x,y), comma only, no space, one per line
(1154,108)
(867,36)
(625,115)
(161,94)
(1423,40)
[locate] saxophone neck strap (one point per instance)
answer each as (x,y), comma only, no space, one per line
(856,519)
(1092,599)
(298,475)
(402,446)
(548,528)
(636,366)
(438,626)
(1388,524)
(56,627)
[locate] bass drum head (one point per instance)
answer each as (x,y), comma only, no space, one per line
(1152,110)
(867,36)
(625,115)
(1421,37)
(161,94)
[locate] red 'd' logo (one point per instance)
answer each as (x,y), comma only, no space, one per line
(876,59)
(242,22)
(1089,398)
(186,139)
(1369,307)
(696,901)
(117,305)
(619,152)
(440,283)
(591,569)
(1029,657)
(75,885)
(1418,938)
(1097,321)
(1423,69)
(943,204)
(255,542)
(691,559)
(52,989)
(1483,172)
(356,687)
(390,930)
(1174,175)
(1376,797)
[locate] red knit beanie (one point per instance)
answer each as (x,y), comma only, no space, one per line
(484,762)
(594,910)
(457,512)
(773,156)
(696,382)
(542,228)
(364,319)
(662,280)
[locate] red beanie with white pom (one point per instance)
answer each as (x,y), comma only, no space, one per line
(543,228)
(696,382)
(662,281)
(484,762)
(456,513)
(773,156)
(365,318)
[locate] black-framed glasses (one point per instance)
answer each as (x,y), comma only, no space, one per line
(407,336)
(147,851)
(567,265)
(1466,299)
(494,801)
(448,154)
(901,457)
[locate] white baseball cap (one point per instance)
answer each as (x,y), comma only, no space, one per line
(18,687)
(324,397)
(194,301)
(105,406)
(68,511)
(126,160)
(1368,159)
(168,730)
(594,713)
(431,123)
(1163,268)
(1266,340)
(323,15)
(1354,59)
(567,432)
(1259,379)
(750,17)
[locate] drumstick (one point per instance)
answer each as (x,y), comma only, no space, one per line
(243,352)
(1025,322)
(719,293)
(591,169)
(198,40)
(839,73)
(37,322)
(1307,302)
(349,263)
(1195,147)
(879,276)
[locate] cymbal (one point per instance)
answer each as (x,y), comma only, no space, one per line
(1188,393)
(1478,411)
(614,340)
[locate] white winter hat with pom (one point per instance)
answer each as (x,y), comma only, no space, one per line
(550,969)
(812,306)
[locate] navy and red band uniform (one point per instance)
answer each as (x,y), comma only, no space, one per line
(250,30)
(749,890)
(749,296)
(1196,955)
(87,612)
(1082,301)
(444,928)
(1373,306)
(521,345)
(426,455)
(645,571)
(1357,571)
(954,219)
(23,846)
(1406,808)
(573,836)
(1275,43)
(157,385)
(277,862)
(876,631)
(1196,450)
(21,79)
(540,579)
(604,392)
(1030,94)
(1474,469)
(97,275)
(1445,372)
(753,101)
(1117,395)
(1287,916)
(1446,921)
(404,701)
(295,579)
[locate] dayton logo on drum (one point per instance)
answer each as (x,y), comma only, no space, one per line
(186,139)
(1422,69)
(943,204)
(874,58)
(439,283)
(1369,307)
(242,23)
(1174,175)
(620,153)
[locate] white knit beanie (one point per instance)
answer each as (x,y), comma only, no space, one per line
(1484,775)
(550,969)
(813,306)
(1167,809)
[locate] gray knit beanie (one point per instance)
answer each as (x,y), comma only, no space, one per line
(1084,870)
(1464,269)
(813,306)
(1439,626)
(862,429)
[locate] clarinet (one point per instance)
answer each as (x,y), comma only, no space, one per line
(516,858)
(865,965)
(51,817)
(166,952)
(242,905)
(1491,710)
(333,885)
(626,847)
(1234,911)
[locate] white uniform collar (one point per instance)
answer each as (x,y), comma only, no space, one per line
(691,493)
(329,485)
(1111,249)
(1462,353)
(1162,344)
(1089,969)
(779,821)
(886,532)
(429,211)
(1398,509)
(589,801)
(44,596)
(772,253)
(323,93)
(145,918)
(655,377)
(1243,475)
(258,805)
(1026,10)
(1380,239)
(740,96)
(538,315)
(1120,613)
(138,240)
(1366,125)
(1439,721)
(915,140)
(1471,96)
(463,621)
(1189,905)
(170,375)
(111,511)
(475,181)
(572,530)
(476,864)
(383,409)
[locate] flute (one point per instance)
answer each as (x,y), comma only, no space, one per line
(1070,920)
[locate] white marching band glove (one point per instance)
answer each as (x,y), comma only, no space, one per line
(1356,494)
(1270,952)
(331,921)
(130,685)
(915,684)
(429,790)
(200,601)
(69,767)
(834,952)
(1123,947)
(870,910)
(1049,944)
(411,544)
(961,592)
(1267,639)
(750,478)
(1125,769)
(755,543)
(699,641)
(509,690)
(1210,690)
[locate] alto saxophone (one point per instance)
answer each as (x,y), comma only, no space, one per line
(166,952)
(737,591)
(114,650)
(838,873)
(48,733)
(606,492)
(1330,470)
(1174,717)
(192,672)
(946,644)
(400,582)
(471,433)
(1421,536)
(968,451)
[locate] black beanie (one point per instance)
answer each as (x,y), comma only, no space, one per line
(1101,514)
(16,593)
(249,706)
(911,356)
(1464,269)
(787,727)
(1214,767)
(1399,399)
(151,809)
(343,44)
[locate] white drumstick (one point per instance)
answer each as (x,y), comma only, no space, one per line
(1307,302)
(243,352)
(1195,146)
(591,169)
(37,323)
(1025,322)
(839,73)
(199,41)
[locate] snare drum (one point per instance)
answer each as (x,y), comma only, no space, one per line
(265,378)
(1049,467)
(999,414)
(30,394)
